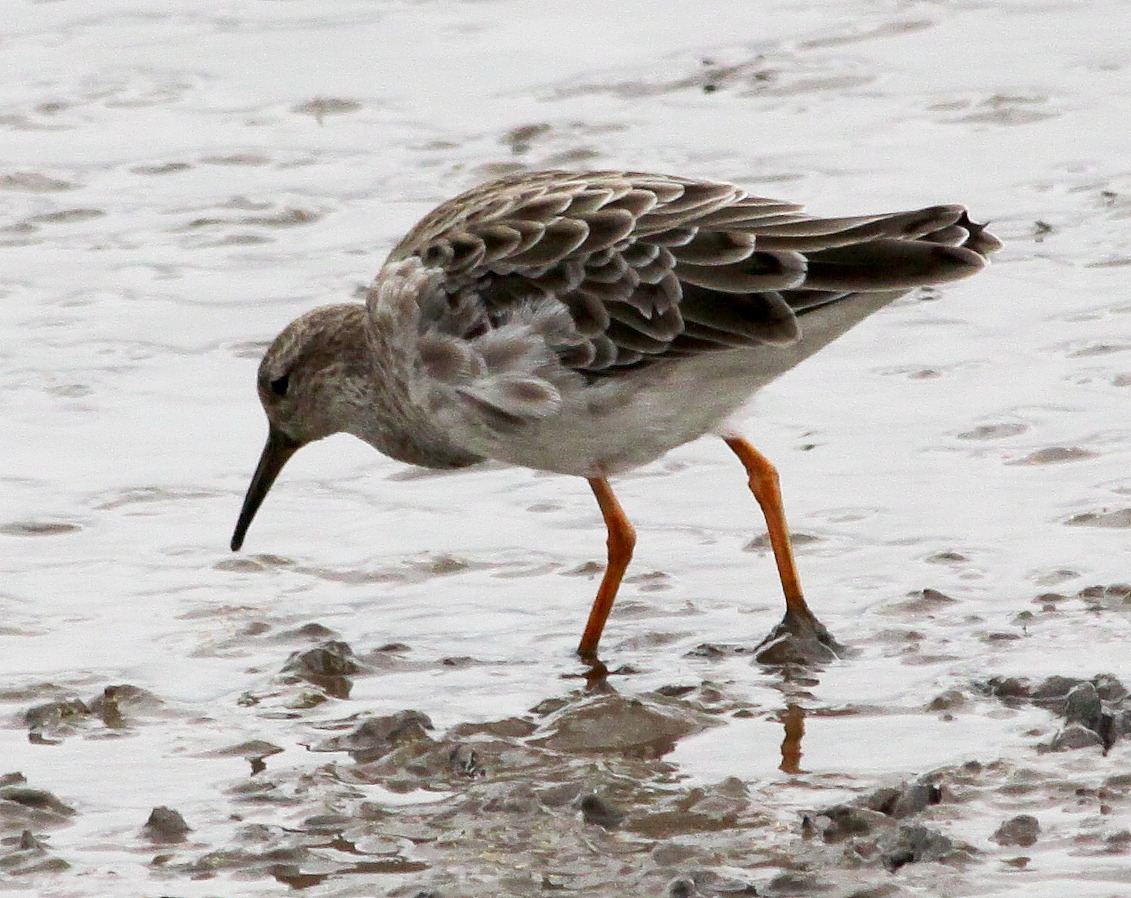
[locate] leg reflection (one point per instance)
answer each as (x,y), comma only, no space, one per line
(793,719)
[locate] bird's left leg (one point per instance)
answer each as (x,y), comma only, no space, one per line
(800,637)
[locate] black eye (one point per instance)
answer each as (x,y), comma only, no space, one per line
(279,385)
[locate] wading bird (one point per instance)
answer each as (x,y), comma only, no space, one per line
(586,323)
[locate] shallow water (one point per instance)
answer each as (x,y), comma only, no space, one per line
(177,184)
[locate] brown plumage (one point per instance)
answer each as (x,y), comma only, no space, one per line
(588,322)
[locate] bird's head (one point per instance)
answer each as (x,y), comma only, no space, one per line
(308,384)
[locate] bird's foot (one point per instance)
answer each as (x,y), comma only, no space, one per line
(799,639)
(596,674)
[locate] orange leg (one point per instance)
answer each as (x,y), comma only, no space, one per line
(622,540)
(799,620)
(765,486)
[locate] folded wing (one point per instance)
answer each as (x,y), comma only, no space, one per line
(598,271)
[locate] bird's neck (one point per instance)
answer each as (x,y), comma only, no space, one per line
(391,412)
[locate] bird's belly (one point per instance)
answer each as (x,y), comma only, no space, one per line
(629,419)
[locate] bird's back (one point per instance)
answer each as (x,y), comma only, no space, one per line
(655,266)
(554,293)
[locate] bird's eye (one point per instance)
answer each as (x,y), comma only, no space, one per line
(279,385)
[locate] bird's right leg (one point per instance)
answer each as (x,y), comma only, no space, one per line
(622,540)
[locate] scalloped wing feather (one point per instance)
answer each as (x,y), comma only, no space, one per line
(642,267)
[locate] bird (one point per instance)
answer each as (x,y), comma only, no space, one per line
(587,322)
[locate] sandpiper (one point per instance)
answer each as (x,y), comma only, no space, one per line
(586,323)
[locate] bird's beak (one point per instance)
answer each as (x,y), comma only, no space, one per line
(278,450)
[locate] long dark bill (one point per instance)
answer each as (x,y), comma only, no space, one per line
(278,450)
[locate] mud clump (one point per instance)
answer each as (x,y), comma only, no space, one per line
(165,825)
(869,832)
(328,666)
(639,727)
(375,737)
(254,751)
(598,811)
(913,844)
(24,855)
(25,811)
(24,807)
(115,708)
(1096,712)
(1023,830)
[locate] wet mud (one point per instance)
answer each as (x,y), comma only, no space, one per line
(577,795)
